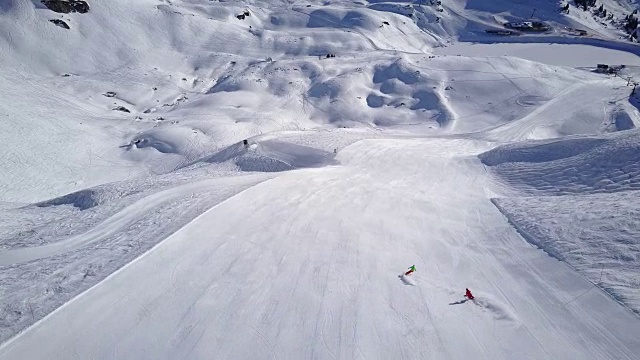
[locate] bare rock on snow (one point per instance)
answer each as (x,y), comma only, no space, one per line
(80,6)
(58,6)
(67,6)
(60,23)
(122,108)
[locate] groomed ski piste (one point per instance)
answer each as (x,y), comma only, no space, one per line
(260,198)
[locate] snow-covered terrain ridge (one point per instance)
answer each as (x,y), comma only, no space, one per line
(248,179)
(572,204)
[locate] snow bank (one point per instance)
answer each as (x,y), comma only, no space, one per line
(272,156)
(77,249)
(585,210)
(603,164)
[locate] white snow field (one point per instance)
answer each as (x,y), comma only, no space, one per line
(178,181)
(573,55)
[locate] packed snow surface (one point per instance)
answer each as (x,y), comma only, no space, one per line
(299,275)
(248,180)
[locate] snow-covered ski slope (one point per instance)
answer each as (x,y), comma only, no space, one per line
(303,266)
(159,233)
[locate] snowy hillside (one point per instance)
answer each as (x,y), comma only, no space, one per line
(557,181)
(251,179)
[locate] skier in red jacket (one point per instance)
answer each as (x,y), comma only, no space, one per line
(468,294)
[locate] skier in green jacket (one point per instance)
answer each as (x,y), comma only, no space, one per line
(411,269)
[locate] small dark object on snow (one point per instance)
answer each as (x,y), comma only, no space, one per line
(109,94)
(385,22)
(60,23)
(240,17)
(245,142)
(246,13)
(122,108)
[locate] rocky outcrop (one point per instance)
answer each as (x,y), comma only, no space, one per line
(80,6)
(58,6)
(67,6)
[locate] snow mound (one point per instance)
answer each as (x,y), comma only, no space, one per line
(597,106)
(618,119)
(570,166)
(272,156)
(539,151)
(169,147)
(83,199)
(400,84)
